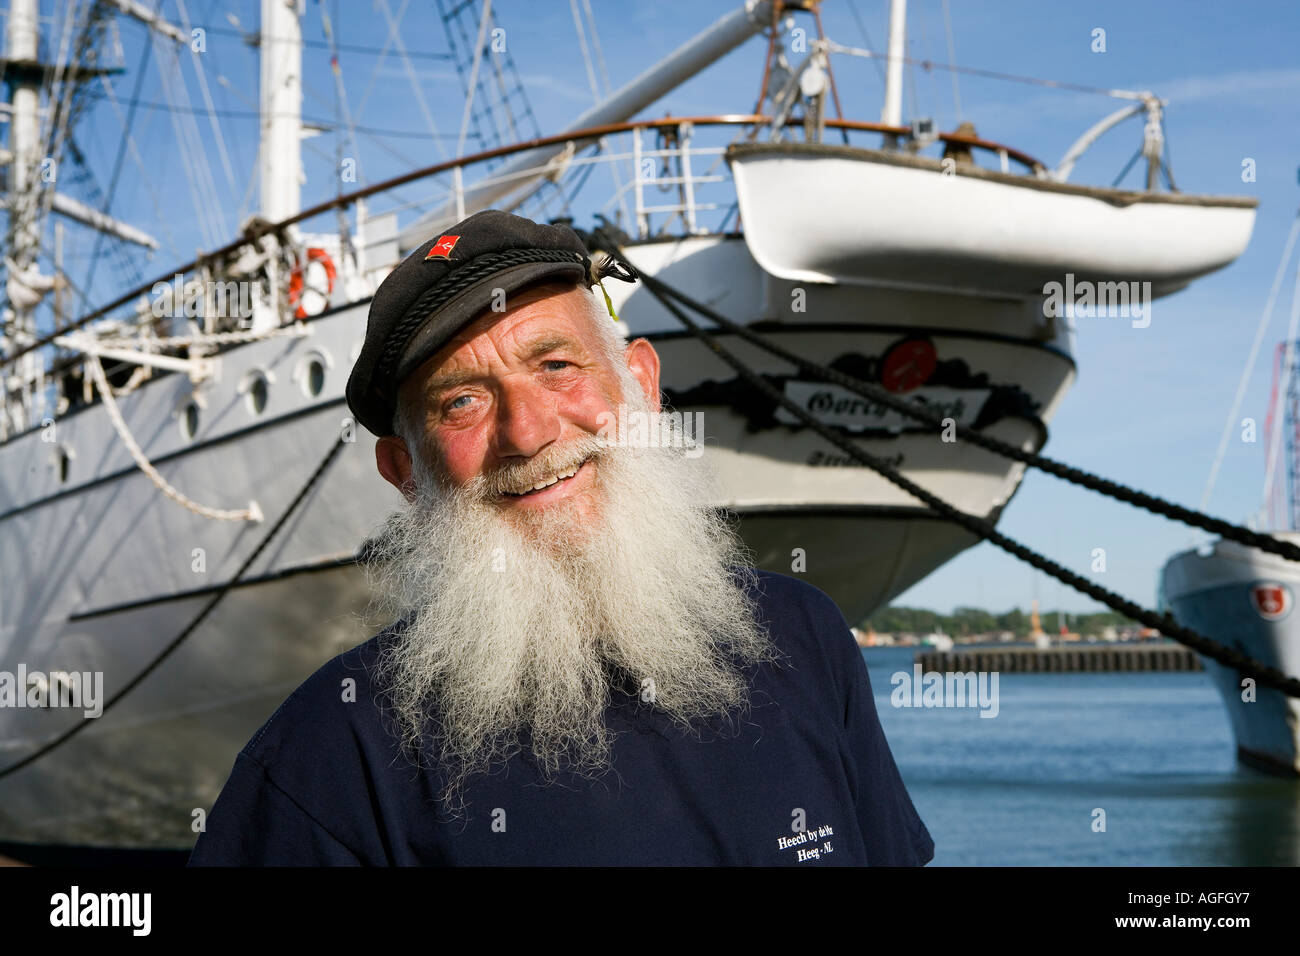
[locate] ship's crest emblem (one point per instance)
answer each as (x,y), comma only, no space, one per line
(1271,601)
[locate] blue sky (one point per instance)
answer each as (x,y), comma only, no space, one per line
(1148,405)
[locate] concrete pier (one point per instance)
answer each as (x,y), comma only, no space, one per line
(1088,657)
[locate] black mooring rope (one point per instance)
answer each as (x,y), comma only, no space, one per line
(1076,476)
(1264,675)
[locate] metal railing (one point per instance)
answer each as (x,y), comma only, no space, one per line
(668,166)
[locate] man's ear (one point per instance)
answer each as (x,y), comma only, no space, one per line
(643,361)
(393,460)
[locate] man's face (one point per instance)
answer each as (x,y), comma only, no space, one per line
(507,400)
(519,608)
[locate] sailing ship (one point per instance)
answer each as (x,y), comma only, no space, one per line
(148,444)
(1245,597)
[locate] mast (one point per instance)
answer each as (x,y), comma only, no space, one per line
(24,142)
(678,67)
(280,162)
(31,192)
(24,134)
(26,148)
(892,112)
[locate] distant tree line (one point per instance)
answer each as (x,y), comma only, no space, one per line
(973,620)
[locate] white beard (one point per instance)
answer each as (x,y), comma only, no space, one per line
(516,620)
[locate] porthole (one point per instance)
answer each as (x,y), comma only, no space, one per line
(255,386)
(311,370)
(258,394)
(259,391)
(315,377)
(190,420)
(63,456)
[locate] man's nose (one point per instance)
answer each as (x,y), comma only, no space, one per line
(527,419)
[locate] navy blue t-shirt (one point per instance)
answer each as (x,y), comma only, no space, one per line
(803,777)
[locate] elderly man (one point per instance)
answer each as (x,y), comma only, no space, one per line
(584,668)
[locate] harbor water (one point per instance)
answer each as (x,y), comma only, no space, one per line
(1153,750)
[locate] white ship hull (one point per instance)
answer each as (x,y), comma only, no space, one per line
(1245,598)
(102,571)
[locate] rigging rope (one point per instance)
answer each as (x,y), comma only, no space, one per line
(208,206)
(595,45)
(952,58)
(146,52)
(1250,362)
(251,513)
(341,93)
(875,61)
(1264,675)
(207,100)
(586,53)
(417,90)
(928,65)
(1275,413)
(318,44)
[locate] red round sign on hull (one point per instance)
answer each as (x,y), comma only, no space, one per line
(1271,601)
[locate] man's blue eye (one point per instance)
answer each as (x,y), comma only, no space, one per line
(556,362)
(452,403)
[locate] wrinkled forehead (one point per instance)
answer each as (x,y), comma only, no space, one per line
(539,319)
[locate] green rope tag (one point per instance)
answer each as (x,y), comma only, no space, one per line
(609,304)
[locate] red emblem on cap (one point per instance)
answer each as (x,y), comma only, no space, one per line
(442,248)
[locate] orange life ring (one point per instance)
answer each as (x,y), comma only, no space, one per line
(295,280)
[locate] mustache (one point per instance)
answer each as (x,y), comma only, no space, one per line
(515,478)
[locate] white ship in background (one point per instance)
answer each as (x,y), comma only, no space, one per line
(129,498)
(1245,597)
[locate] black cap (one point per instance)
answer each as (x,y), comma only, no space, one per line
(443,285)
